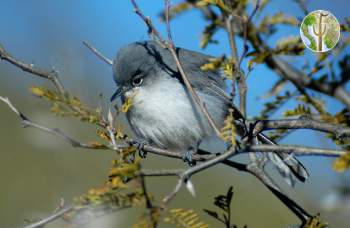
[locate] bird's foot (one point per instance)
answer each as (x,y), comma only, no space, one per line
(188,157)
(140,145)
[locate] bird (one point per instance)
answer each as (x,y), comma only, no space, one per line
(164,114)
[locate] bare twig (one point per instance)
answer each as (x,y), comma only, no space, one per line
(301,123)
(151,29)
(186,175)
(149,204)
(294,149)
(241,78)
(59,213)
(98,53)
(57,132)
(234,54)
(30,68)
(302,5)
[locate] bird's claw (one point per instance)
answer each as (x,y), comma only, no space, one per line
(188,157)
(140,147)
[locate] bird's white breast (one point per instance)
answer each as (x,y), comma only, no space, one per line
(163,113)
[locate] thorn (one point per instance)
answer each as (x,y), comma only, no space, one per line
(190,188)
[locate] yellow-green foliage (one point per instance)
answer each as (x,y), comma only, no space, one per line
(184,218)
(298,111)
(271,107)
(228,132)
(147,221)
(289,46)
(258,58)
(67,105)
(342,163)
(278,18)
(215,64)
(315,222)
(218,3)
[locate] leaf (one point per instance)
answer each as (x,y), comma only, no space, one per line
(268,22)
(224,203)
(184,218)
(276,88)
(218,3)
(211,213)
(67,105)
(315,222)
(97,145)
(213,64)
(45,93)
(208,33)
(272,106)
(289,46)
(228,132)
(176,10)
(258,58)
(342,163)
(298,111)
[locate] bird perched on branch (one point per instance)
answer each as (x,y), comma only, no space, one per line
(164,114)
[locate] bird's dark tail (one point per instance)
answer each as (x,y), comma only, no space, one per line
(286,163)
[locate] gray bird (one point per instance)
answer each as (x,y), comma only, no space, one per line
(164,115)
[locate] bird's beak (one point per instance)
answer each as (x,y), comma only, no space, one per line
(117,93)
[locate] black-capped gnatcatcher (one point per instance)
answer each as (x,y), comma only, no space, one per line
(163,113)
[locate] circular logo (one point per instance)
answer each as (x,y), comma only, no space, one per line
(320,31)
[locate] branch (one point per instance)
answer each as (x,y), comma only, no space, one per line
(50,75)
(98,53)
(184,176)
(57,132)
(301,123)
(294,149)
(151,29)
(302,5)
(296,76)
(59,213)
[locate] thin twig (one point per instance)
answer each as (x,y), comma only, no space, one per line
(302,123)
(151,29)
(50,218)
(30,68)
(98,53)
(241,79)
(57,132)
(234,53)
(186,175)
(294,149)
(302,5)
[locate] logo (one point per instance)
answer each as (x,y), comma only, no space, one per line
(320,31)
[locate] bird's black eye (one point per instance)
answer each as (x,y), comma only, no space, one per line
(137,81)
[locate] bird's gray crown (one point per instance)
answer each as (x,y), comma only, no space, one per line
(143,58)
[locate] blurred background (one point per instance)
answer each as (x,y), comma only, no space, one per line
(37,169)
